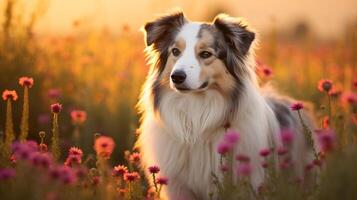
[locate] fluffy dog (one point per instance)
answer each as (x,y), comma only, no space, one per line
(202,78)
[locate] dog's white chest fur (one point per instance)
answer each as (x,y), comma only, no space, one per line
(183,139)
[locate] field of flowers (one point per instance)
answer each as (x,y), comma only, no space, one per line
(68,119)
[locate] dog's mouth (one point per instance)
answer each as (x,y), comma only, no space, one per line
(183,88)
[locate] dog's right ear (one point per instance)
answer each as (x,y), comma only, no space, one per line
(162,30)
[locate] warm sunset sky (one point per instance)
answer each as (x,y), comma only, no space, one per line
(328,17)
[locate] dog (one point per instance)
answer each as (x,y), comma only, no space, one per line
(202,77)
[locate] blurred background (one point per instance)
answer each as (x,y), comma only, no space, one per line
(88,55)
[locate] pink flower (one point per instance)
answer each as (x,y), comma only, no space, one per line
(104,146)
(287,136)
(244,169)
(297,106)
(41,159)
(120,170)
(231,137)
(78,116)
(223,168)
(324,85)
(26,81)
(242,158)
(131,177)
(282,151)
(9,94)
(135,157)
(73,160)
(223,148)
(154,169)
(56,108)
(75,151)
(264,152)
(326,140)
(54,93)
(162,180)
(7,173)
(349,98)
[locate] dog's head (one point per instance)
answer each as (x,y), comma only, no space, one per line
(196,57)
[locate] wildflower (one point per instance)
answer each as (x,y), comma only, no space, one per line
(24,150)
(324,85)
(326,140)
(75,151)
(223,168)
(26,81)
(43,147)
(264,152)
(223,148)
(162,180)
(95,180)
(231,137)
(78,116)
(134,157)
(54,93)
(334,92)
(63,173)
(244,169)
(317,162)
(326,122)
(297,106)
(349,98)
(131,176)
(265,165)
(56,108)
(282,151)
(73,160)
(284,165)
(242,158)
(9,94)
(309,166)
(41,160)
(287,136)
(104,146)
(154,169)
(120,170)
(7,173)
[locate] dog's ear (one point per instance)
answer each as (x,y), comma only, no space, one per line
(161,31)
(235,32)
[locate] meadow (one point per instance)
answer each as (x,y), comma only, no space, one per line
(68,119)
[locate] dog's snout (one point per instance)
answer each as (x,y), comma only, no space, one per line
(178,77)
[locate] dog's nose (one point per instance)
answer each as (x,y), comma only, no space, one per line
(178,77)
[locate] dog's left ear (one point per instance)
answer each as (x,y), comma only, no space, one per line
(235,32)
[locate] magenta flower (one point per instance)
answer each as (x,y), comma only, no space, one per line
(264,152)
(120,170)
(56,108)
(223,148)
(162,180)
(287,136)
(75,151)
(131,177)
(326,140)
(154,169)
(7,173)
(231,137)
(244,169)
(242,158)
(297,106)
(282,151)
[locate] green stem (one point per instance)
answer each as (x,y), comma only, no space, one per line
(55,138)
(25,116)
(308,134)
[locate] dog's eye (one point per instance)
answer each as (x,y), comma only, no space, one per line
(205,54)
(175,52)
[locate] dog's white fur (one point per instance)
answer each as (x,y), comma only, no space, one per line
(182,138)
